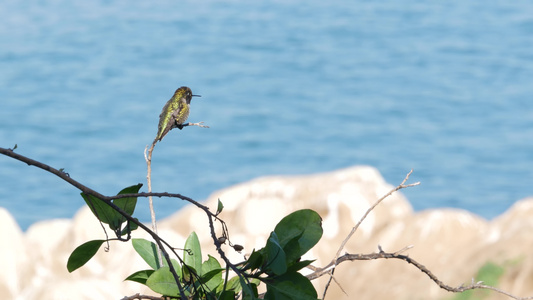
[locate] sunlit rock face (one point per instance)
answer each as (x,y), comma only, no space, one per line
(453,244)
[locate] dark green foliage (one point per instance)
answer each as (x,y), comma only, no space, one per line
(276,265)
(140,276)
(280,260)
(298,233)
(83,254)
(291,286)
(220,207)
(108,215)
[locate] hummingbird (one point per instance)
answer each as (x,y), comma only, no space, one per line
(175,112)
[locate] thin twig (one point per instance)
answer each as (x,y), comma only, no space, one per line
(149,182)
(354,229)
(141,297)
(199,124)
(148,159)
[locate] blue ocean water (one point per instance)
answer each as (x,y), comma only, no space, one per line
(288,87)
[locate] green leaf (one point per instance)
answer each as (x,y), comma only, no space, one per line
(131,227)
(275,256)
(291,286)
(192,254)
(255,261)
(140,276)
(148,251)
(162,281)
(101,210)
(82,254)
(299,265)
(210,264)
(298,232)
(233,284)
(249,291)
(212,279)
(175,264)
(108,215)
(227,295)
(220,207)
(128,204)
(211,273)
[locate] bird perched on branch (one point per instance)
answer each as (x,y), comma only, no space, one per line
(176,112)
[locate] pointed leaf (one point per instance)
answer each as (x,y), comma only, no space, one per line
(140,276)
(299,265)
(82,254)
(101,210)
(148,251)
(220,207)
(128,204)
(192,254)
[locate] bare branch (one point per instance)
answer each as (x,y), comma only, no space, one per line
(199,124)
(60,174)
(396,255)
(141,297)
(89,191)
(354,229)
(148,159)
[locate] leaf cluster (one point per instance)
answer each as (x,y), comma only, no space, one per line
(277,265)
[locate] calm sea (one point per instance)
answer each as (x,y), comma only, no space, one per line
(288,87)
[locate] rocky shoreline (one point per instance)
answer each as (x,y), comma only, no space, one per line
(453,244)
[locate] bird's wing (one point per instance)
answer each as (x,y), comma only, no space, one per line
(163,127)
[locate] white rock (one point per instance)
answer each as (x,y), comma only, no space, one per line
(13,260)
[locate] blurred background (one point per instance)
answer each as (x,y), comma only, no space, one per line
(288,87)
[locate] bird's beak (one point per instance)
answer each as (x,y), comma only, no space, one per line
(196,96)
